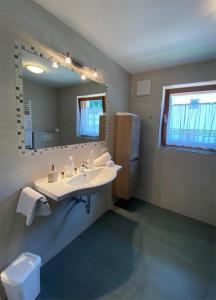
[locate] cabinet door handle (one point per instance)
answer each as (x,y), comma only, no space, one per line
(135,159)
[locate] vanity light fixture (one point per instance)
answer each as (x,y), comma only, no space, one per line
(35,69)
(67,58)
(54,62)
(78,64)
(95,74)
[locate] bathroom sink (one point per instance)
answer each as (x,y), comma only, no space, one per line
(86,183)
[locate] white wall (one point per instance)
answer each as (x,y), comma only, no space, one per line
(25,21)
(180,181)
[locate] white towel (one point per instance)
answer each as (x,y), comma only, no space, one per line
(102,160)
(28,202)
(110,163)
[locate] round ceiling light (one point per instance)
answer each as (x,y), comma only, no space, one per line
(35,69)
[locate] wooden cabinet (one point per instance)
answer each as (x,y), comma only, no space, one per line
(126,153)
(102,128)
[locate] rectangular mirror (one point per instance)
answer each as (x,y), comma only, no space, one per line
(60,108)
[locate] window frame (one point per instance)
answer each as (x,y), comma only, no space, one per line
(103,98)
(182,88)
(81,99)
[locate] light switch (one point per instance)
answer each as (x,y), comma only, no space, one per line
(143,87)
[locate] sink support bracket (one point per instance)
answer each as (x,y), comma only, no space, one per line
(79,199)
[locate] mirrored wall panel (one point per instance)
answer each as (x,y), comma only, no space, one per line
(60,108)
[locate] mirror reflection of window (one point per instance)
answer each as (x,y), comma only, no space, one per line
(91,108)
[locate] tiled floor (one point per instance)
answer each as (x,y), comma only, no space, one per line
(141,252)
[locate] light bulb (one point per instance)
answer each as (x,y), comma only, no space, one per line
(55,64)
(95,75)
(67,58)
(83,77)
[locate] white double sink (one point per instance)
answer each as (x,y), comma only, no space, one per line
(84,184)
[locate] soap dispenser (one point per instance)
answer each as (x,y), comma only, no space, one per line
(69,168)
(91,159)
(52,175)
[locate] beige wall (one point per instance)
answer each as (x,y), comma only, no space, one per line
(68,109)
(24,20)
(180,181)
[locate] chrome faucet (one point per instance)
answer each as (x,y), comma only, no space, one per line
(83,166)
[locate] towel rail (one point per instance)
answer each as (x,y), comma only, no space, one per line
(79,199)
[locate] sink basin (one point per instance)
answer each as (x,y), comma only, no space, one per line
(83,184)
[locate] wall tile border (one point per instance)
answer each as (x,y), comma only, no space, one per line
(18,47)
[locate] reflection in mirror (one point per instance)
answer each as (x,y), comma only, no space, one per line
(60,108)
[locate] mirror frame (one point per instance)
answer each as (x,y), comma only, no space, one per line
(18,47)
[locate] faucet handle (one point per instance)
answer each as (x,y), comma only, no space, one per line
(84,163)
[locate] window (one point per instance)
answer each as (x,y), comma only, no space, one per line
(189,117)
(90,110)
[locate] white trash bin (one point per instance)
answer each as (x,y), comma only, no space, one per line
(21,279)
